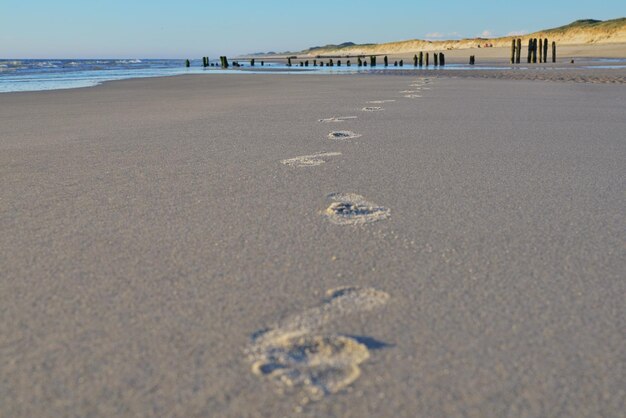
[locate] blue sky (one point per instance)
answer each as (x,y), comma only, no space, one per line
(195,28)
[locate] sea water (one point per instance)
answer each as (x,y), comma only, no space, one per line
(52,74)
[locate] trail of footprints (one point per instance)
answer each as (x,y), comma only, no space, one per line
(296,354)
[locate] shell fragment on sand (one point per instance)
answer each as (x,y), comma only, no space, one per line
(343,135)
(353,209)
(309,160)
(297,356)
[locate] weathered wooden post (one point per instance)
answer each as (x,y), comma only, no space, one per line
(187,63)
(301,64)
(262,63)
(288,61)
(540,50)
(436,59)
(348,63)
(471,61)
(513,51)
(359,62)
(518,51)
(338,63)
(535,51)
(553,51)
(401,63)
(442,59)
(530,50)
(421,59)
(427,59)
(395,64)
(545,50)
(373,61)
(252,62)
(386,61)
(415,60)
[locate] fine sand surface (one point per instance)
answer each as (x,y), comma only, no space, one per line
(461,255)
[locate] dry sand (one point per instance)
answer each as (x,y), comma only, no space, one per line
(158,260)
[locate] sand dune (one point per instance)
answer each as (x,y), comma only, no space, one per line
(579,32)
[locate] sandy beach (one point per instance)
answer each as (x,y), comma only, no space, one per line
(407,245)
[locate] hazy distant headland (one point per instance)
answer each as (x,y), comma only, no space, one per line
(586,31)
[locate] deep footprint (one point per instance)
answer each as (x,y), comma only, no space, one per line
(353,209)
(343,135)
(296,357)
(310,160)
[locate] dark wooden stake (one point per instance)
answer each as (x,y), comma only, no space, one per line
(513,48)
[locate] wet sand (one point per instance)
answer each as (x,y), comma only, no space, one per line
(159,258)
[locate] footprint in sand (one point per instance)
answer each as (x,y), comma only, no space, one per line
(310,160)
(380,101)
(343,135)
(297,355)
(337,119)
(372,109)
(353,209)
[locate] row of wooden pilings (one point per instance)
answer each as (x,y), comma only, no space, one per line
(535,46)
(223,63)
(537,52)
(418,61)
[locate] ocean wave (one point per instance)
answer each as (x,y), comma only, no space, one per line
(11,63)
(133,61)
(46,64)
